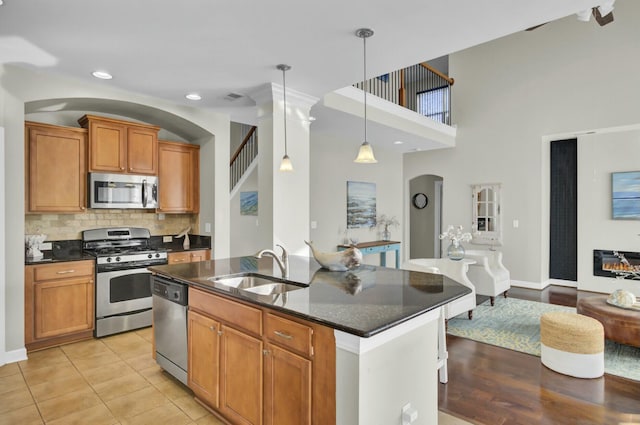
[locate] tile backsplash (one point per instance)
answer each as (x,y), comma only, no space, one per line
(70,226)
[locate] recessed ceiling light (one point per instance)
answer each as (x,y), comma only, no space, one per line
(398,142)
(102,75)
(193,96)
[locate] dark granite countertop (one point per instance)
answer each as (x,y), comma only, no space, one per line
(362,302)
(71,250)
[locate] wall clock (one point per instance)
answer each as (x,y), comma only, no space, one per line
(420,200)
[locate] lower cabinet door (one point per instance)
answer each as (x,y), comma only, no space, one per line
(241,395)
(63,307)
(204,357)
(287,388)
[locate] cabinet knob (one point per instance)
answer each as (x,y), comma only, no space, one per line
(219,332)
(122,168)
(213,328)
(265,352)
(82,208)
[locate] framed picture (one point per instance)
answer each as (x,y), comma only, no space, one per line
(361,204)
(625,195)
(249,203)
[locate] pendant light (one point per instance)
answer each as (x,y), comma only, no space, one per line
(285,165)
(365,154)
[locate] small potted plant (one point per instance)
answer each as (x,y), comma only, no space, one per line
(383,222)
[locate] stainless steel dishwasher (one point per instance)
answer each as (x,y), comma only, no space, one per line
(170,326)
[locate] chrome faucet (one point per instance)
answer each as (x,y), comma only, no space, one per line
(283,261)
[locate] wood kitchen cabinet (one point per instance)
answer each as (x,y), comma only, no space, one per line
(204,362)
(189,256)
(118,146)
(178,177)
(272,370)
(59,303)
(56,168)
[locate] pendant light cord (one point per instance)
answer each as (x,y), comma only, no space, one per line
(364,40)
(284,95)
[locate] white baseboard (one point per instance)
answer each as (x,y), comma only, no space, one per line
(14,356)
(530,285)
(560,282)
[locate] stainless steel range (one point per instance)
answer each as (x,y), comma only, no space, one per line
(123,283)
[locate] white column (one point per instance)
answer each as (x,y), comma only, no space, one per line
(2,252)
(283,197)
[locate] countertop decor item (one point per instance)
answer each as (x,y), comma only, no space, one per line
(456,235)
(186,243)
(337,261)
(33,245)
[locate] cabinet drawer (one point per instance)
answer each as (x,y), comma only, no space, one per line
(290,334)
(63,270)
(179,257)
(234,313)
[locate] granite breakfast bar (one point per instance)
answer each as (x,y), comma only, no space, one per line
(381,323)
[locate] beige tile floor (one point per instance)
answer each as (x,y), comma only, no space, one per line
(105,381)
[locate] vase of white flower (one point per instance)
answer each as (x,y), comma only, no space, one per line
(384,222)
(455,251)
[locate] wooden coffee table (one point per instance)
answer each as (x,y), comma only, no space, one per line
(620,325)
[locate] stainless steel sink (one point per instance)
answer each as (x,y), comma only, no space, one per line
(240,282)
(253,284)
(272,288)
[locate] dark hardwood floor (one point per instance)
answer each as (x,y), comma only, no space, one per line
(493,386)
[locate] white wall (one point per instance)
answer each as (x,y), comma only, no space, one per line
(331,167)
(2,251)
(598,156)
(565,77)
(247,236)
(19,86)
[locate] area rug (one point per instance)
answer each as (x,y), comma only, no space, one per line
(515,324)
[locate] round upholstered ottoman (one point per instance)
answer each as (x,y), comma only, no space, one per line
(572,344)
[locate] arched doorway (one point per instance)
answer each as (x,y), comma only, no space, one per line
(425,223)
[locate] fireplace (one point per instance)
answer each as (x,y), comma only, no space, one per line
(616,264)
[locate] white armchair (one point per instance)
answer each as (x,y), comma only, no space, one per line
(456,270)
(488,274)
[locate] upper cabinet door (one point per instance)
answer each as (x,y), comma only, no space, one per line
(107,147)
(486,224)
(178,177)
(117,146)
(142,150)
(56,172)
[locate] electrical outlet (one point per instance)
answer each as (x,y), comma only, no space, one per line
(314,224)
(46,246)
(166,239)
(516,224)
(207,227)
(160,216)
(409,414)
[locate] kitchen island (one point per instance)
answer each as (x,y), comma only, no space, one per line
(375,327)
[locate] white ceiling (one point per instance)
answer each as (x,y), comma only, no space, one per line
(167,48)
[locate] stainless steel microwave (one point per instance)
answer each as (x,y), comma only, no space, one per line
(123,191)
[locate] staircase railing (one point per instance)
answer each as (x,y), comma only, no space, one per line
(420,87)
(243,156)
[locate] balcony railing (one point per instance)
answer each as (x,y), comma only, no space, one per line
(420,87)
